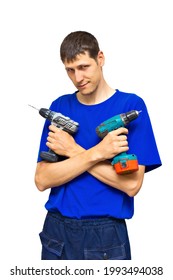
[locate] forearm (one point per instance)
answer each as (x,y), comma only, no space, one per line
(49,175)
(104,172)
(128,183)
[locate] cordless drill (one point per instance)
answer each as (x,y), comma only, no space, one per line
(60,121)
(123,163)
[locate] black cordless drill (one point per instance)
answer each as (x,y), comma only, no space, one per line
(60,121)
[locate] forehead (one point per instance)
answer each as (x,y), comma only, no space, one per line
(79,60)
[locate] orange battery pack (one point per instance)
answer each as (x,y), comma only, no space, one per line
(126,166)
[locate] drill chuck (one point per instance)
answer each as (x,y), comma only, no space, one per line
(47,114)
(129,116)
(59,120)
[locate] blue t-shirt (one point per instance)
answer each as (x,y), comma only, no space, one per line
(85,196)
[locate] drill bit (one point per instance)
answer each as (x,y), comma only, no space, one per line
(33,107)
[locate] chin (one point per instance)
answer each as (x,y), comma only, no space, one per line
(87,92)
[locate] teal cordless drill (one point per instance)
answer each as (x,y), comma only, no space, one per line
(123,163)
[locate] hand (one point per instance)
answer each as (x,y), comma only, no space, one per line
(61,142)
(115,142)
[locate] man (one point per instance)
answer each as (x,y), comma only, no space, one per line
(88,202)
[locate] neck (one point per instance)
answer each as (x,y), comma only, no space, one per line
(101,94)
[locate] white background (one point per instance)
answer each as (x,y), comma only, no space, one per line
(136,38)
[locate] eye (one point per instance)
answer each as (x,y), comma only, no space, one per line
(84,67)
(69,70)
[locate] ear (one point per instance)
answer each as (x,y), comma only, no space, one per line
(101,58)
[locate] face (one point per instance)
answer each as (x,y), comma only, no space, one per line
(85,72)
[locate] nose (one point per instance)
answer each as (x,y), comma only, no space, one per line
(78,76)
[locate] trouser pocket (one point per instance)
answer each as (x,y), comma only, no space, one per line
(110,253)
(51,249)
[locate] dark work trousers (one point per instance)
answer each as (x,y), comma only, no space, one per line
(64,238)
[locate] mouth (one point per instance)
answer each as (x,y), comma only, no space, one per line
(82,86)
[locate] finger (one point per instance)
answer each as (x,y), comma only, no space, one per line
(121,130)
(48,144)
(51,145)
(122,138)
(51,140)
(123,143)
(124,149)
(53,128)
(51,134)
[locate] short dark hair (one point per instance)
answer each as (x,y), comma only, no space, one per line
(76,43)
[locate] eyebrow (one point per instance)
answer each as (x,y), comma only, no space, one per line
(78,66)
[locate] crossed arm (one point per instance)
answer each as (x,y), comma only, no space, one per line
(93,160)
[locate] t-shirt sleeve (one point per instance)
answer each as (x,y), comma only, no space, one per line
(142,141)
